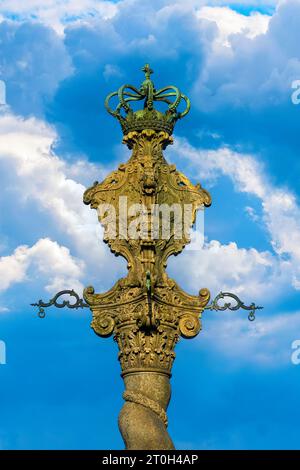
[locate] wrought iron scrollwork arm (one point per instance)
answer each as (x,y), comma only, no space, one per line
(215,305)
(78,303)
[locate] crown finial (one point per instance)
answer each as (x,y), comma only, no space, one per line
(148,117)
(147,71)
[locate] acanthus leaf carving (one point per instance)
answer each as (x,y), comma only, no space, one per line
(125,310)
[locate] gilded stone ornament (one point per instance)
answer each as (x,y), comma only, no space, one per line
(146,312)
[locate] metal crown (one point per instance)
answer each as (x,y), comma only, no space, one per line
(148,117)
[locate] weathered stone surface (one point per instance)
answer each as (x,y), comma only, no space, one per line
(146,311)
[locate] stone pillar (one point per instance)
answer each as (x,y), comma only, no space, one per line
(146,311)
(143,418)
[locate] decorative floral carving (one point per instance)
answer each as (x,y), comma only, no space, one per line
(146,321)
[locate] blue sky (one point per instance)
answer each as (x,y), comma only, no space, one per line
(234,386)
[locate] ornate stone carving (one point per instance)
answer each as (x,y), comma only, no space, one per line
(146,311)
(140,399)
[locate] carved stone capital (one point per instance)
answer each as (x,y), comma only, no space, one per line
(146,312)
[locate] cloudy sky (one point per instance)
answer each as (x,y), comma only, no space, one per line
(235,386)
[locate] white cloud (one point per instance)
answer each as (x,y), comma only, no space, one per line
(33,173)
(41,176)
(247,271)
(45,260)
(250,3)
(244,170)
(58,13)
(26,147)
(36,173)
(231,22)
(260,64)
